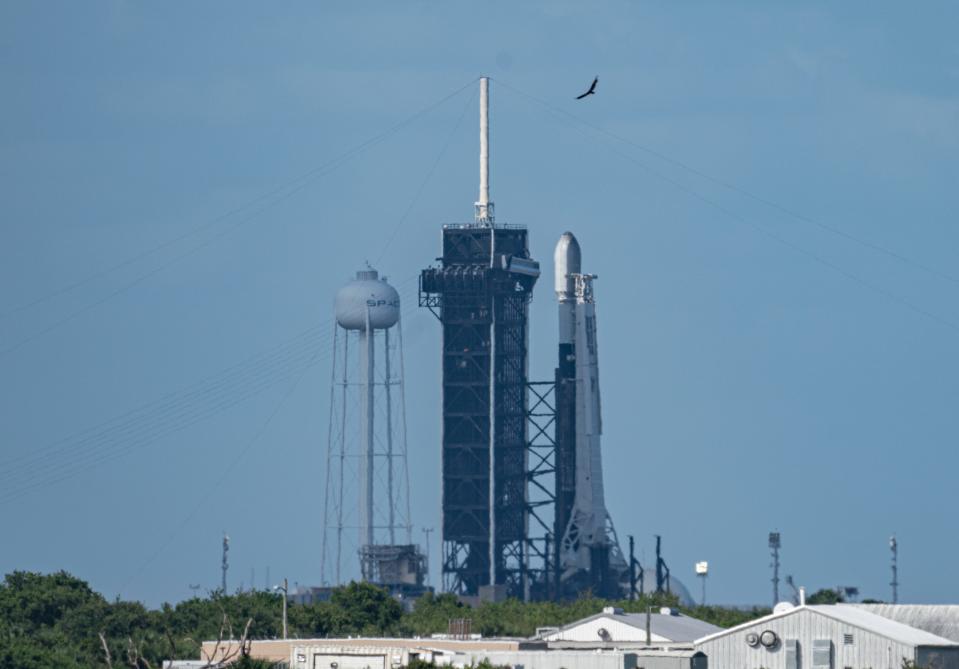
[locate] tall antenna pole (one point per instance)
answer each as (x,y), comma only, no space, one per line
(225,565)
(484,208)
(774,545)
(894,547)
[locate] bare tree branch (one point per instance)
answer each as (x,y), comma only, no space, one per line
(245,642)
(211,660)
(106,650)
(132,654)
(169,638)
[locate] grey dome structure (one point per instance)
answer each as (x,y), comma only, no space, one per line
(367,297)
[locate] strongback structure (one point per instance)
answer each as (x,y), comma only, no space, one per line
(480,292)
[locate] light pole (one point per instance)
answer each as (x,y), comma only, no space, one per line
(702,570)
(286,591)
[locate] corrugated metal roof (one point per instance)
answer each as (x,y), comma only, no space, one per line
(857,617)
(672,627)
(939,619)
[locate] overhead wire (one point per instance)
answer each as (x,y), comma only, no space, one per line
(225,474)
(175,412)
(426,179)
(171,414)
(279,195)
(906,260)
(765,231)
(345,156)
(208,493)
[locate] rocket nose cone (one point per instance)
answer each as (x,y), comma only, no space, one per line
(566,260)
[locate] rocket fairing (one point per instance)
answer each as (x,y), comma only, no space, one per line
(589,550)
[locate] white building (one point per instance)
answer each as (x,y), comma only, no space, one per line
(939,619)
(827,637)
(666,626)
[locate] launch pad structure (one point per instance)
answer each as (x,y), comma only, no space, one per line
(481,295)
(522,499)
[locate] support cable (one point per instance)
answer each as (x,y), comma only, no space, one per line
(783,241)
(739,190)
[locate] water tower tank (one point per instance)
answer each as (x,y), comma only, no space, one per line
(367,292)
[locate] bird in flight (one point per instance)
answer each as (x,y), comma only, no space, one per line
(591,91)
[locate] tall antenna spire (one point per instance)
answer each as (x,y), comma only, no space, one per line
(775,543)
(484,207)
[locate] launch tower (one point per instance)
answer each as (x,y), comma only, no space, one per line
(480,292)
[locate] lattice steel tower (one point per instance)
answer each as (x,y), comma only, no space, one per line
(480,292)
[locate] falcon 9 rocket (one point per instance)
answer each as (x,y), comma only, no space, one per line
(589,552)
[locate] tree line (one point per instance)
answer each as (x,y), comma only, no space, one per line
(58,620)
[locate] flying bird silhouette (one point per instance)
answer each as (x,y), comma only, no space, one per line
(591,91)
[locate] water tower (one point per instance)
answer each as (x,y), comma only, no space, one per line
(367,510)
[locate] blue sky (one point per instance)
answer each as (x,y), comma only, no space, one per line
(787,367)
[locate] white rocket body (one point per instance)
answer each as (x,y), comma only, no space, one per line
(589,526)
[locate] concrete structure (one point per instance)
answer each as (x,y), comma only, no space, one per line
(614,626)
(939,619)
(613,658)
(827,637)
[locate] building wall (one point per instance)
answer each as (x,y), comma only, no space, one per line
(551,659)
(867,650)
(283,649)
(338,656)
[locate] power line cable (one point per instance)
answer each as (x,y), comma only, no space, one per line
(263,369)
(117,439)
(426,179)
(148,427)
(174,415)
(307,176)
(208,492)
(778,238)
(177,258)
(737,189)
